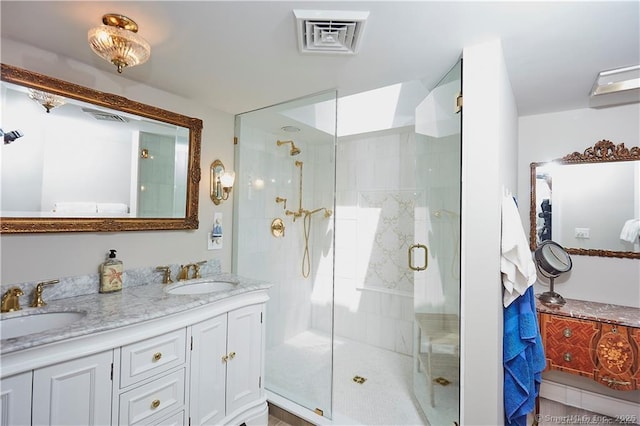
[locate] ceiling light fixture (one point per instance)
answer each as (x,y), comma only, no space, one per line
(616,87)
(117,42)
(47,100)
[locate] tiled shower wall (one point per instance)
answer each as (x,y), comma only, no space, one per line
(380,212)
(375,200)
(268,172)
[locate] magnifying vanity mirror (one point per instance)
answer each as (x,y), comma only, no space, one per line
(552,261)
(588,202)
(84,160)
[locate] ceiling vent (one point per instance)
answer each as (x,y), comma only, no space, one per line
(105,116)
(334,32)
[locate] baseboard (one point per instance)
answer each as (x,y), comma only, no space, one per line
(587,400)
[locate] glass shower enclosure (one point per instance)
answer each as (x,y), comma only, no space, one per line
(285,161)
(350,206)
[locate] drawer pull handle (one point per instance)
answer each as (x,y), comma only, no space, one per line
(155,403)
(157,356)
(225,358)
(615,382)
(567,332)
(232,355)
(567,357)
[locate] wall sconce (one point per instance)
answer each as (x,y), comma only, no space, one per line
(221,182)
(48,100)
(117,42)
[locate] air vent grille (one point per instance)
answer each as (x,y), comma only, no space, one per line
(330,31)
(105,116)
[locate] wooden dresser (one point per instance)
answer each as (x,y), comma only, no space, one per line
(595,340)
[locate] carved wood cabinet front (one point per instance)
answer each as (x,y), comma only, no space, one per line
(604,352)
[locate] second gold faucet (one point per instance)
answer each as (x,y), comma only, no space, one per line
(184,271)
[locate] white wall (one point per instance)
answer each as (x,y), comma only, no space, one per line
(489,135)
(34,257)
(546,137)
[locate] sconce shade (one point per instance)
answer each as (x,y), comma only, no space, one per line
(227,179)
(117,42)
(47,100)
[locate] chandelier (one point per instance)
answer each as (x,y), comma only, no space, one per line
(117,42)
(47,100)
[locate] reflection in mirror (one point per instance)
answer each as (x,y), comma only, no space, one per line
(589,203)
(108,163)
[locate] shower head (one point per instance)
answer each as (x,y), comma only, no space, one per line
(294,149)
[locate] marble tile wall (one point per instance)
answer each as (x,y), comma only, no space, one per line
(375,200)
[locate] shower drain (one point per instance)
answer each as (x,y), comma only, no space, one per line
(359,379)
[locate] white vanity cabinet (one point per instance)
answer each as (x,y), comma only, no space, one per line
(200,365)
(151,380)
(226,365)
(15,400)
(76,392)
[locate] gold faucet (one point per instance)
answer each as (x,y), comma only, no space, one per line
(37,293)
(184,271)
(10,300)
(166,276)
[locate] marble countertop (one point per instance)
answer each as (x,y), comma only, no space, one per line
(603,312)
(130,306)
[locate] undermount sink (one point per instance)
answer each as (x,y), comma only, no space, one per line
(36,323)
(201,287)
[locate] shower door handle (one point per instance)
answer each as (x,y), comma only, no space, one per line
(411,250)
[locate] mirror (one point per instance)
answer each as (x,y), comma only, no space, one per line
(588,202)
(552,261)
(84,160)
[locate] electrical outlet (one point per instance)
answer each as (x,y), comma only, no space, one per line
(582,233)
(213,243)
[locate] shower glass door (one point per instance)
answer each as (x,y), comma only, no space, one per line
(438,133)
(283,234)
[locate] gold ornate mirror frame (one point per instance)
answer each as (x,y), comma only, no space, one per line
(602,151)
(15,225)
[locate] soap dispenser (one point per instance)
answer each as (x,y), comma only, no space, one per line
(111,274)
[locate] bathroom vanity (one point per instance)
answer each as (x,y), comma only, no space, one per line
(142,356)
(595,340)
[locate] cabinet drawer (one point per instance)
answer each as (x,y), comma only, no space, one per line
(572,359)
(153,356)
(153,400)
(574,332)
(173,420)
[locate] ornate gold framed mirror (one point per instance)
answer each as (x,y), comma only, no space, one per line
(588,202)
(81,160)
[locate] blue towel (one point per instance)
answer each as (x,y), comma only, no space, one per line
(523,358)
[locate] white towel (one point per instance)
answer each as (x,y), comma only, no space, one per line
(631,231)
(516,263)
(75,207)
(113,208)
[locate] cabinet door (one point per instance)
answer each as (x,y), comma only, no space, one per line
(15,400)
(244,348)
(208,369)
(76,392)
